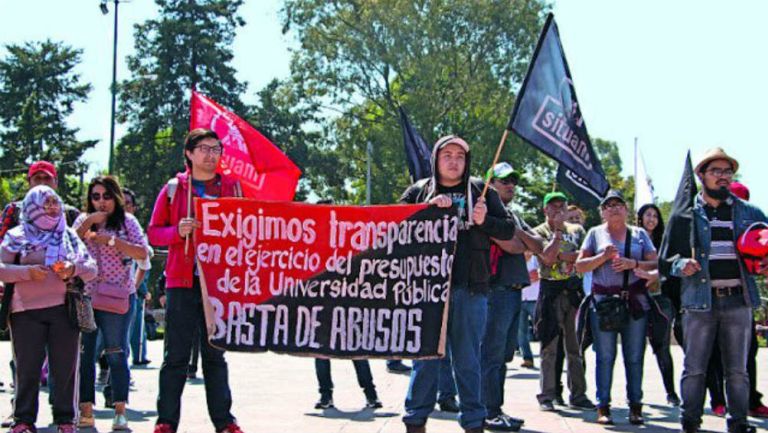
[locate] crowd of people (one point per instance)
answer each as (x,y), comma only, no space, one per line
(567,285)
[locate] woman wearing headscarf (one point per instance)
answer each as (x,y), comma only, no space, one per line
(39,257)
(115,239)
(649,218)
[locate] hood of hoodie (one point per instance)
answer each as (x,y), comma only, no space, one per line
(434,182)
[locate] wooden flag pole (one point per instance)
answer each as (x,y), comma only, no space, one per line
(189,211)
(495,160)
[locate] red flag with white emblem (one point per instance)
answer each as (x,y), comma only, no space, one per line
(263,170)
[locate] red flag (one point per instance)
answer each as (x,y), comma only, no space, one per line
(264,171)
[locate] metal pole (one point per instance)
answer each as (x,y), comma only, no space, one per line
(368,177)
(114,95)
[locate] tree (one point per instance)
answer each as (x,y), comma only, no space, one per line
(452,64)
(187,47)
(38,90)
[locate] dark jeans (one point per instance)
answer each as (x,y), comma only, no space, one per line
(499,345)
(114,329)
(32,334)
(138,334)
(755,397)
(184,315)
(194,359)
(362,370)
(527,309)
(466,323)
(661,348)
(728,322)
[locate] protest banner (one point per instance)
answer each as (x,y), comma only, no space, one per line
(335,281)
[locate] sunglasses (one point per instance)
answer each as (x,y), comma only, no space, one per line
(95,196)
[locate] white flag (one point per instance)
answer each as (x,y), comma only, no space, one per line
(643,185)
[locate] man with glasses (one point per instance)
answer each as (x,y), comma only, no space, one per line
(170,226)
(559,297)
(504,301)
(717,293)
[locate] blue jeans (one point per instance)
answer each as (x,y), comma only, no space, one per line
(633,351)
(466,323)
(527,310)
(446,386)
(730,327)
(183,316)
(499,345)
(114,330)
(362,371)
(138,336)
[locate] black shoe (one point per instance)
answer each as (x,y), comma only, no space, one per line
(547,406)
(373,402)
(325,402)
(502,423)
(673,399)
(742,428)
(142,362)
(559,400)
(398,367)
(449,405)
(582,403)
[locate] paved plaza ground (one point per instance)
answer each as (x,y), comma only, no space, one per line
(276,393)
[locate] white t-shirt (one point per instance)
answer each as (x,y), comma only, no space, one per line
(531,293)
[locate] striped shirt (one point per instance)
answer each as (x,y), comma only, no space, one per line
(723,260)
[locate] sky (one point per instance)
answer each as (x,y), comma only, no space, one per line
(675,75)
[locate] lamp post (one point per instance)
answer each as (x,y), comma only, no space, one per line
(105,10)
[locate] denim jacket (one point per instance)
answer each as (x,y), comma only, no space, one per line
(696,293)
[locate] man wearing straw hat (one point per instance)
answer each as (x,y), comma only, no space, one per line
(480,218)
(171,226)
(717,294)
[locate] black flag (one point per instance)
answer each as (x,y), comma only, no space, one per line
(417,153)
(583,194)
(679,235)
(547,113)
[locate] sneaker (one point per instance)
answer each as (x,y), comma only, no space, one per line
(8,421)
(120,422)
(66,428)
(673,399)
(512,419)
(501,423)
(163,428)
(759,412)
(22,427)
(527,363)
(231,428)
(142,362)
(373,402)
(398,367)
(86,421)
(582,403)
(719,410)
(449,405)
(325,402)
(559,400)
(547,406)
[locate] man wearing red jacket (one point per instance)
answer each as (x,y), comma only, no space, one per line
(169,227)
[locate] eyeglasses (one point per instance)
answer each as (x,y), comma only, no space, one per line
(95,196)
(209,150)
(721,172)
(50,205)
(613,205)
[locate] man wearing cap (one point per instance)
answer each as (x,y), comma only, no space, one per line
(40,173)
(559,298)
(480,219)
(509,274)
(717,294)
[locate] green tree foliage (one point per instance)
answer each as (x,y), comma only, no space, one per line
(38,90)
(452,64)
(187,46)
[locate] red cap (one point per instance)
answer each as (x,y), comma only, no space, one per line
(740,190)
(44,166)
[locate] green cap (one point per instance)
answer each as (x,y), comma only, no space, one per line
(554,195)
(502,170)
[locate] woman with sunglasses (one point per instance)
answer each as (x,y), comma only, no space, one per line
(48,254)
(604,252)
(115,239)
